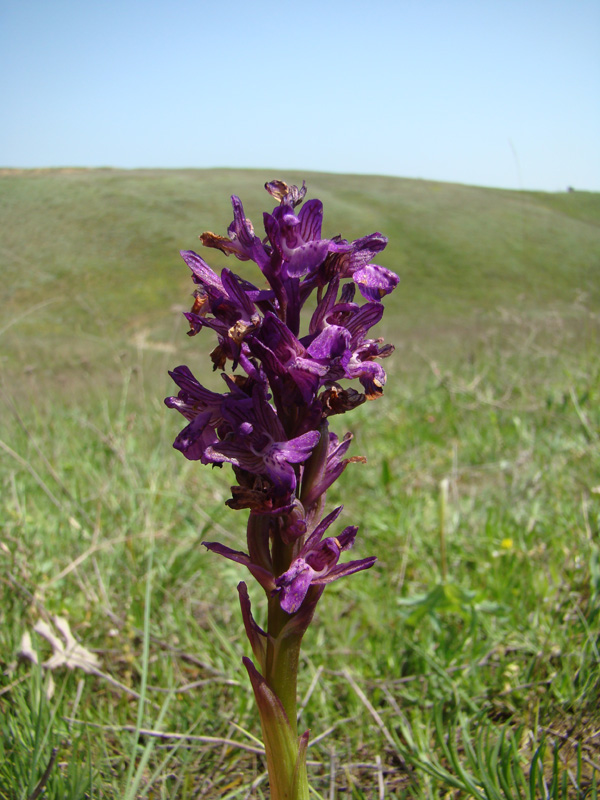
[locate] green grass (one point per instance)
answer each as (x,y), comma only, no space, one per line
(465,663)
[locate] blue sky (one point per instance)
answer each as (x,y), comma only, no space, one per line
(496,92)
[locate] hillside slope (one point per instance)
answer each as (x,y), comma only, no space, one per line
(90,263)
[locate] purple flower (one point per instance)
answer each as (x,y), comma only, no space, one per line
(257,443)
(204,410)
(297,239)
(229,300)
(355,321)
(353,261)
(317,564)
(286,361)
(242,241)
(374,282)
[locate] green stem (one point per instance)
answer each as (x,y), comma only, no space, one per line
(286,754)
(283,651)
(287,774)
(281,667)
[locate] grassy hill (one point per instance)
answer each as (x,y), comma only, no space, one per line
(90,264)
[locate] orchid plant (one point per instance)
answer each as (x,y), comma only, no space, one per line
(272,425)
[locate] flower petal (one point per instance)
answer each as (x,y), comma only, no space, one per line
(196,438)
(294,584)
(349,568)
(375,282)
(263,576)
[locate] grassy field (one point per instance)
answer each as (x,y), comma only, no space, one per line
(465,664)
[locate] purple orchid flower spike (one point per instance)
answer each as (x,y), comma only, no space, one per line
(272,426)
